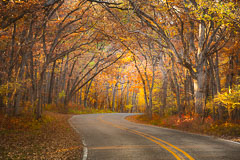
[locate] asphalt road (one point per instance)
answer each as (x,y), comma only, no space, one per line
(111,137)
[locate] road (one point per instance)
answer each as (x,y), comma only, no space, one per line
(111,137)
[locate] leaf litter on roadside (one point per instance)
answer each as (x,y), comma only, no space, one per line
(52,139)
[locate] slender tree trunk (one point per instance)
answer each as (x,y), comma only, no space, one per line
(64,77)
(19,94)
(186,91)
(229,78)
(9,103)
(213,85)
(177,90)
(80,97)
(107,96)
(114,96)
(164,94)
(122,98)
(164,87)
(12,52)
(38,111)
(127,95)
(86,93)
(33,88)
(67,96)
(51,86)
(133,109)
(217,73)
(96,100)
(191,84)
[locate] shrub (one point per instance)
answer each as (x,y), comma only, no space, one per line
(229,98)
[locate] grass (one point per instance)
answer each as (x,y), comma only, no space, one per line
(88,111)
(192,124)
(76,109)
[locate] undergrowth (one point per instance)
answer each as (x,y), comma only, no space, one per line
(75,109)
(192,124)
(88,111)
(23,122)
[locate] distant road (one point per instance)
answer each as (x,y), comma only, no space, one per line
(111,137)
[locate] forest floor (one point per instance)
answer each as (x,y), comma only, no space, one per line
(51,138)
(225,130)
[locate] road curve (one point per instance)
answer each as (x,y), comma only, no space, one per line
(111,137)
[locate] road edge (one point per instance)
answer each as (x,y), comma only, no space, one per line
(85,150)
(209,136)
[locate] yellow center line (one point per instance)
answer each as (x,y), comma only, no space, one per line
(153,139)
(178,157)
(183,152)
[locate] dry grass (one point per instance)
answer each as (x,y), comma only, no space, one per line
(51,138)
(224,130)
(76,109)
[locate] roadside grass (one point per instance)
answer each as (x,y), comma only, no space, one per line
(52,137)
(226,130)
(88,111)
(76,109)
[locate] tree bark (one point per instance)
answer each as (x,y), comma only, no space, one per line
(199,90)
(115,88)
(80,97)
(199,82)
(164,95)
(63,80)
(177,88)
(229,78)
(217,73)
(86,93)
(51,86)
(107,96)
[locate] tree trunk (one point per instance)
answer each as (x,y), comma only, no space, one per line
(177,91)
(107,96)
(133,109)
(64,77)
(217,73)
(80,97)
(229,78)
(213,86)
(38,111)
(51,85)
(187,90)
(122,98)
(18,96)
(86,93)
(164,94)
(67,96)
(199,91)
(114,96)
(127,96)
(96,100)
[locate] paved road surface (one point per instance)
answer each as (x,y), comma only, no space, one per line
(111,137)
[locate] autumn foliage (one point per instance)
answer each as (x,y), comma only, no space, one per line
(158,57)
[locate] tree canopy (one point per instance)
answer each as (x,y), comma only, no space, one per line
(155,56)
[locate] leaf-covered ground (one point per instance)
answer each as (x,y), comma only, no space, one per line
(52,138)
(226,130)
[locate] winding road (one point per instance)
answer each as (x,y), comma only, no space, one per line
(110,137)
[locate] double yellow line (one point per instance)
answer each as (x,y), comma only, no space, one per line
(175,151)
